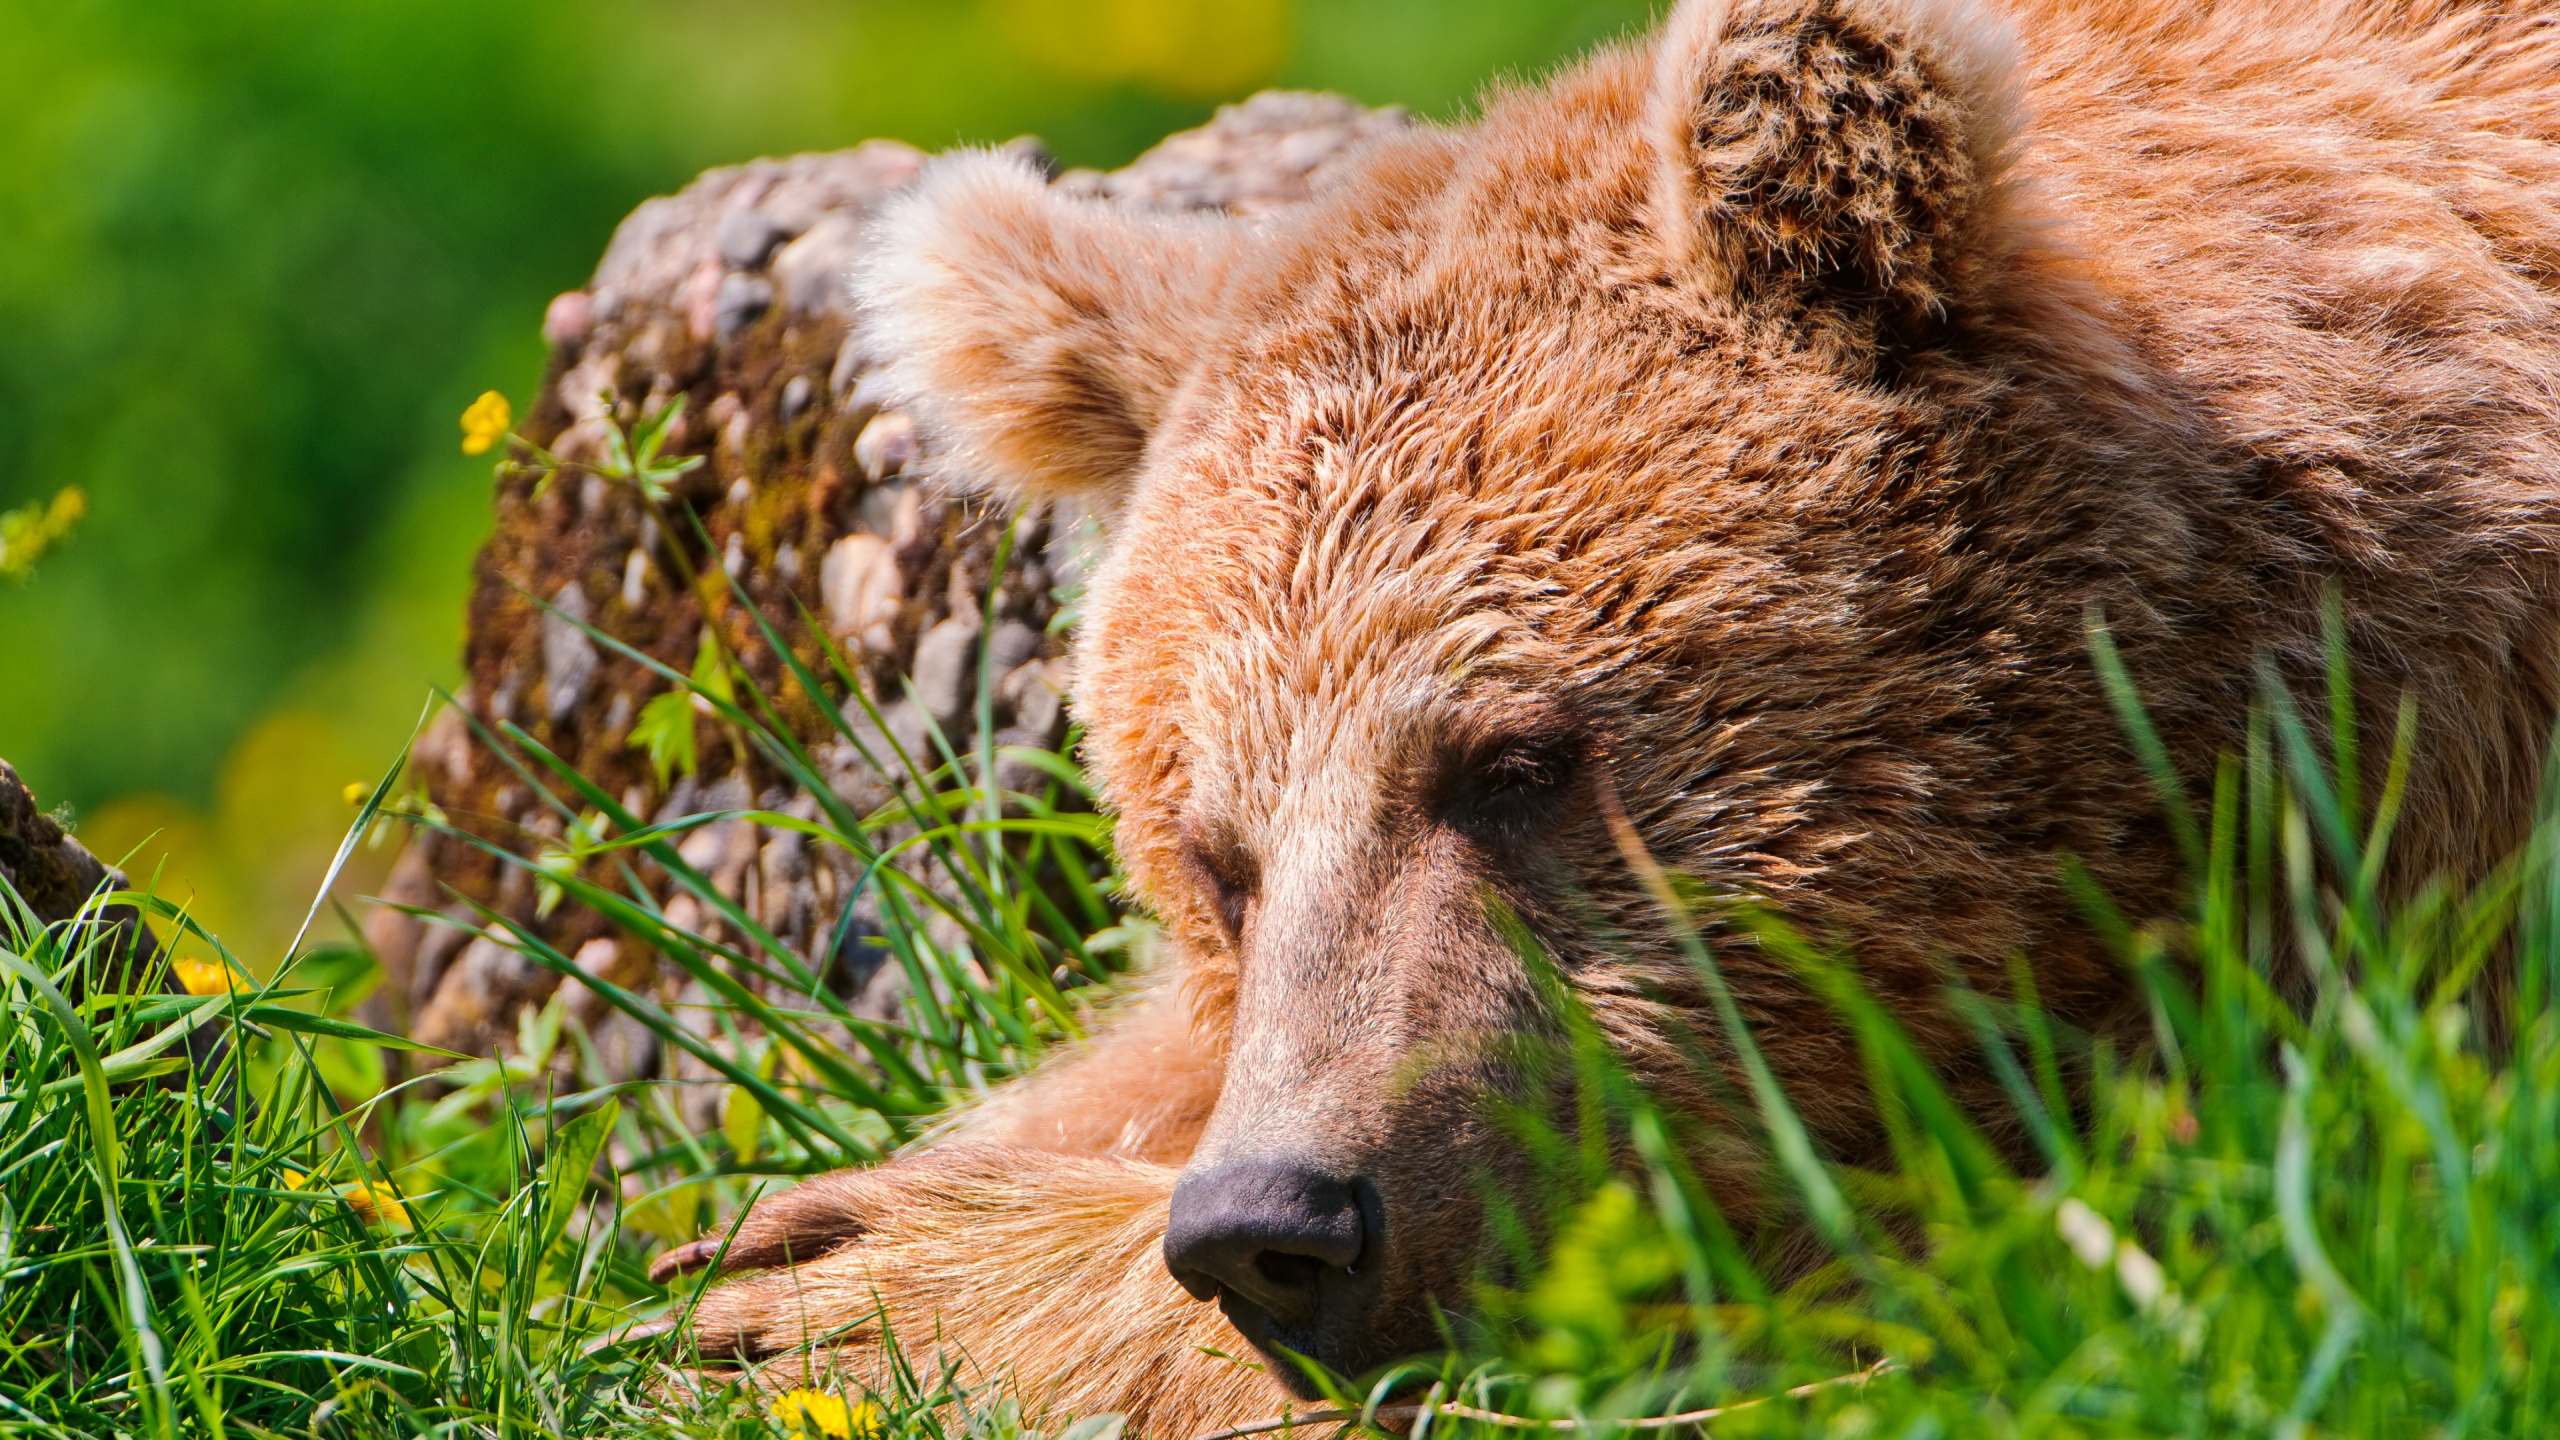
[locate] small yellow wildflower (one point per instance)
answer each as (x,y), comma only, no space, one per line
(31,531)
(70,506)
(356,791)
(208,977)
(377,1204)
(486,422)
(814,1413)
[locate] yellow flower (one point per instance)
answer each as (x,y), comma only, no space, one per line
(208,977)
(486,422)
(70,506)
(356,791)
(814,1413)
(377,1204)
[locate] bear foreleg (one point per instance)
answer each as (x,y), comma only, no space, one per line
(996,1263)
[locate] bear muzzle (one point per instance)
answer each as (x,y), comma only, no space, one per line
(1282,1247)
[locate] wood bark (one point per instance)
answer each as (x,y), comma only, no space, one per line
(732,295)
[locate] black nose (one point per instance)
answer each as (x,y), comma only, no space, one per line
(1266,1231)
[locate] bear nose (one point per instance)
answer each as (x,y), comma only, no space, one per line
(1265,1231)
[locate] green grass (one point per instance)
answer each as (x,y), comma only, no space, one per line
(179,1252)
(2329,1207)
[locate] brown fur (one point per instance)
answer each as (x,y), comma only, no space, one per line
(1742,425)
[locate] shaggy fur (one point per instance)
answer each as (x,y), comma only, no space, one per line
(1738,429)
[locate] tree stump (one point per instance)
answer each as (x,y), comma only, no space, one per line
(732,295)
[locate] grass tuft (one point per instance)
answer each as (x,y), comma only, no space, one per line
(2321,1196)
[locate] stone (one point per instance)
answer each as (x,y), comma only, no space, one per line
(1252,158)
(861,955)
(886,446)
(896,511)
(684,799)
(945,674)
(1033,150)
(683,302)
(491,974)
(600,958)
(812,269)
(747,237)
(739,302)
(1039,703)
(52,872)
(1015,775)
(901,729)
(850,777)
(625,1049)
(58,879)
(435,954)
(1013,644)
(568,653)
(582,386)
(702,299)
(697,1010)
(568,319)
(859,584)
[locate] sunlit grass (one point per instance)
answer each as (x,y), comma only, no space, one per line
(2319,1196)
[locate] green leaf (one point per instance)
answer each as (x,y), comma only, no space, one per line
(573,1151)
(93,1075)
(141,1060)
(741,1120)
(712,676)
(665,730)
(1097,1427)
(310,1024)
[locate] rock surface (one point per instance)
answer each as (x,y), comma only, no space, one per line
(732,295)
(57,877)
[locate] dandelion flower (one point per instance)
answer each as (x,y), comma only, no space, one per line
(377,1204)
(356,791)
(486,422)
(815,1413)
(208,977)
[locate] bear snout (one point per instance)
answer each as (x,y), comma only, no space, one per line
(1280,1246)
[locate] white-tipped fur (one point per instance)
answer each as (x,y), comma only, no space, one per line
(1037,337)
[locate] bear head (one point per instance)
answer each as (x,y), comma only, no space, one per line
(1684,463)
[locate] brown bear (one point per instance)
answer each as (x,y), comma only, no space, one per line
(1721,450)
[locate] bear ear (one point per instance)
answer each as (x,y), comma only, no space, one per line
(1037,336)
(1838,158)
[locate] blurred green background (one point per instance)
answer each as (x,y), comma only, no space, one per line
(256,255)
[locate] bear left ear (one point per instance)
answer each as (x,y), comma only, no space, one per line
(1838,158)
(1039,337)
